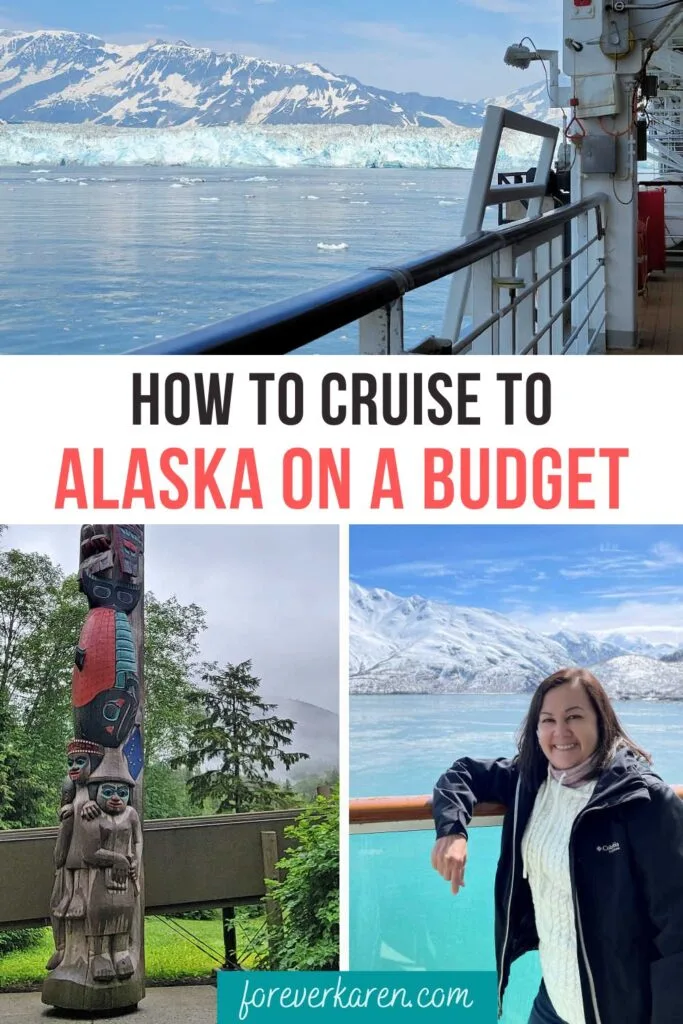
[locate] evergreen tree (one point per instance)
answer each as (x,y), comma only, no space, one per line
(236,743)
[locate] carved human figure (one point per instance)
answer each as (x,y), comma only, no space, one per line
(112,849)
(68,892)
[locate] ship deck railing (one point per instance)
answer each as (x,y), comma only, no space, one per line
(536,286)
(414,813)
(403,915)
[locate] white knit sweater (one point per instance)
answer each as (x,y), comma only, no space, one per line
(545,851)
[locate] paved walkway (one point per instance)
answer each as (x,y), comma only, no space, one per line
(192,1004)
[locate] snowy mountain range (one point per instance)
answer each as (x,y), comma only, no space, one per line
(412,645)
(530,100)
(72,78)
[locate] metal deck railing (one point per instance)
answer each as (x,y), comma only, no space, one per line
(414,813)
(520,304)
(536,286)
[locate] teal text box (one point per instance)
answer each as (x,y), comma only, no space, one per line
(462,997)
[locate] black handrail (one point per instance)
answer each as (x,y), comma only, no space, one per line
(284,326)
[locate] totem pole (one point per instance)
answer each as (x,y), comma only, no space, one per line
(97,901)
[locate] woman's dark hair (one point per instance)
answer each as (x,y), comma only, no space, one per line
(533,764)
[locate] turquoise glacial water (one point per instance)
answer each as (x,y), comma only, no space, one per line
(402,914)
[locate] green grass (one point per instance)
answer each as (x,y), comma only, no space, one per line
(170,957)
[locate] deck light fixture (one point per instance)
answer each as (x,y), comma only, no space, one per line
(520,56)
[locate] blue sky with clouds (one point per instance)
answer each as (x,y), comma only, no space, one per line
(596,578)
(451,49)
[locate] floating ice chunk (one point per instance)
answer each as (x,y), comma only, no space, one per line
(332,246)
(310,197)
(38,180)
(258,177)
(448,202)
(358,202)
(209,199)
(176,184)
(83,183)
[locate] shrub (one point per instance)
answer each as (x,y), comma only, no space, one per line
(308,894)
(203,914)
(21,938)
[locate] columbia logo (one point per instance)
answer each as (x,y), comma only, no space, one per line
(612,848)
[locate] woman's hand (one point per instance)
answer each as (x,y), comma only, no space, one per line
(449,857)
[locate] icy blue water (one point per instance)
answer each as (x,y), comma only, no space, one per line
(106,260)
(401,744)
(402,914)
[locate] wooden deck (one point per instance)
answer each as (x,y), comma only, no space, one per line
(660,315)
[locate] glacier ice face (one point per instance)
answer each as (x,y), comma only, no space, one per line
(356,146)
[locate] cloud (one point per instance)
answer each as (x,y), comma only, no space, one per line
(386,55)
(469,572)
(665,554)
(656,621)
(622,593)
(424,569)
(222,7)
(612,562)
(521,11)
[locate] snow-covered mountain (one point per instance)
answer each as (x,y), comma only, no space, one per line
(531,100)
(588,648)
(412,645)
(70,77)
(633,675)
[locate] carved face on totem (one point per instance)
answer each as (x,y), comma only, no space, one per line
(113,797)
(79,767)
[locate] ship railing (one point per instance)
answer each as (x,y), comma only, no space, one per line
(408,814)
(401,913)
(414,814)
(530,293)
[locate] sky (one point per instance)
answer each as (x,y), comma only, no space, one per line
(601,579)
(450,49)
(270,594)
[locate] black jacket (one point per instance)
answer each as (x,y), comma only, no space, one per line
(626,865)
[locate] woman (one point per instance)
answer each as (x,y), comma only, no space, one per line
(591,864)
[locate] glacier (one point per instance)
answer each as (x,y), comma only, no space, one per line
(350,146)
